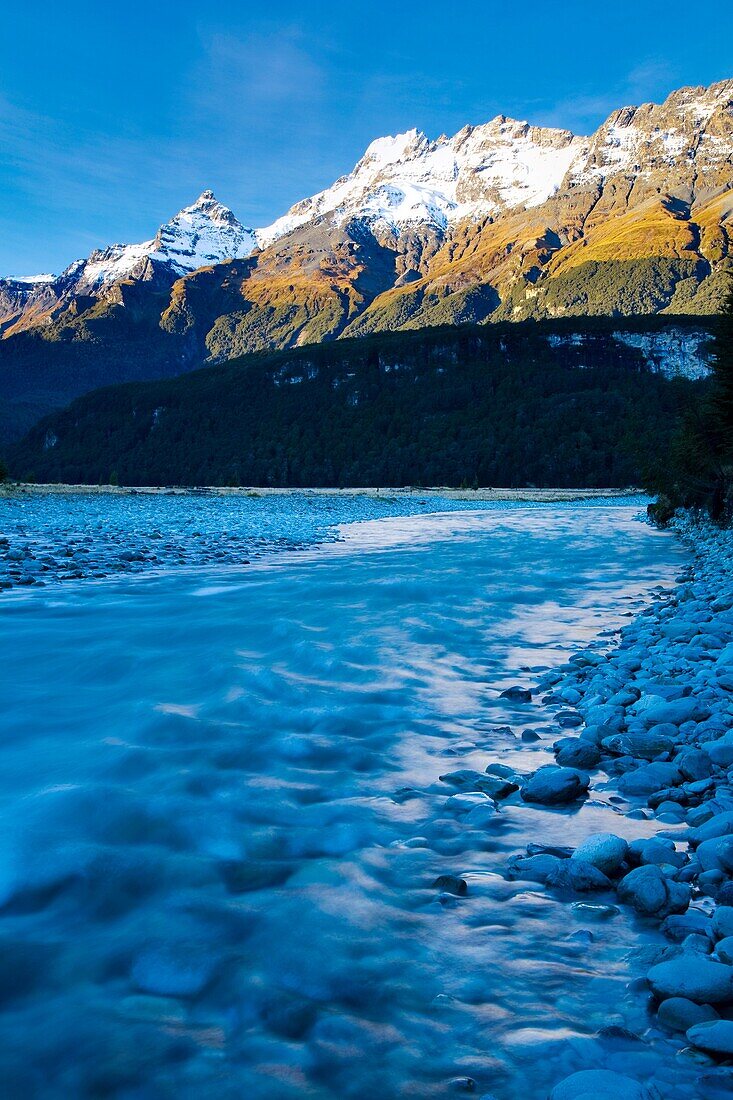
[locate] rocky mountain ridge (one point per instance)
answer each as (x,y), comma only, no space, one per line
(504,221)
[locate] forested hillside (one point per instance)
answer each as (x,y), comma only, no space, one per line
(508,405)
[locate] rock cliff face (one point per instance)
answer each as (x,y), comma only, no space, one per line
(504,221)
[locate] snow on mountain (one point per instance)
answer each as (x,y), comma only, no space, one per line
(409,179)
(657,137)
(30,280)
(201,234)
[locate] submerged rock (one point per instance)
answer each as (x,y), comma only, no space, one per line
(517,695)
(451,884)
(600,1084)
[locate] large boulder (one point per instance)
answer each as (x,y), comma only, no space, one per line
(551,786)
(694,977)
(606,851)
(722,922)
(652,894)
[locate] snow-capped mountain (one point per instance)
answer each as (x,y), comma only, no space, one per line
(202,234)
(408,179)
(502,221)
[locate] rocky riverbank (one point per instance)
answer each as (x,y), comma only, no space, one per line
(650,724)
(52,533)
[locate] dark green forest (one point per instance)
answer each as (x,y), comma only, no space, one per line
(542,404)
(696,469)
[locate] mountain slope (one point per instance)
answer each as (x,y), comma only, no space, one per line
(503,221)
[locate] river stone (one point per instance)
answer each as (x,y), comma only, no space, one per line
(656,850)
(719,825)
(649,778)
(715,1037)
(716,854)
(517,695)
(675,711)
(679,1013)
(722,923)
(724,949)
(554,786)
(451,884)
(651,894)
(606,851)
(468,780)
(575,874)
(720,753)
(571,752)
(600,1084)
(695,977)
(642,746)
(535,868)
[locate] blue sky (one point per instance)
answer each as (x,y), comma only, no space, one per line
(112,117)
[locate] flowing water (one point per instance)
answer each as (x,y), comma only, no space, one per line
(222,818)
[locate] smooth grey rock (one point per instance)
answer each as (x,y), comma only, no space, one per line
(721,824)
(451,884)
(606,851)
(679,925)
(517,694)
(468,780)
(695,977)
(715,1037)
(536,868)
(555,786)
(648,891)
